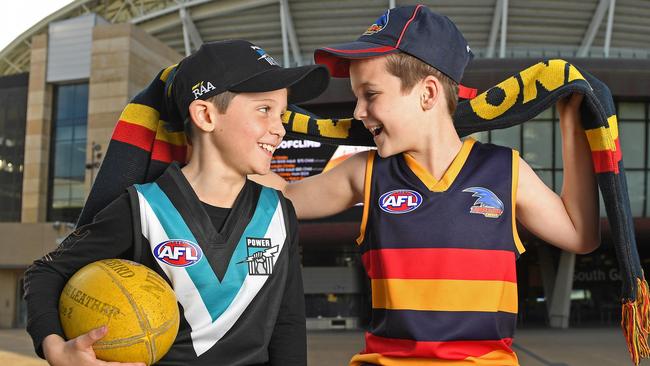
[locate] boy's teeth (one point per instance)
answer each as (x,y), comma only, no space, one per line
(267,147)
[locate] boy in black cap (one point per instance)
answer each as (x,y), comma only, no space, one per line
(438,233)
(241,302)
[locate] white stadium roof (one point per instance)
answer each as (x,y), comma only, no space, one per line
(530,28)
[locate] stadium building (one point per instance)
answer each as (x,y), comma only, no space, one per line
(64,82)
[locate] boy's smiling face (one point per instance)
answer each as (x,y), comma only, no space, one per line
(250,130)
(388,113)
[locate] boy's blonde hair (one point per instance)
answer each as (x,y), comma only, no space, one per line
(221,101)
(411,70)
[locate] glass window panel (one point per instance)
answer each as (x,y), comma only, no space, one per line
(78,160)
(64,133)
(80,131)
(546,176)
(63,156)
(81,101)
(69,158)
(537,141)
(64,101)
(632,138)
(77,191)
(480,136)
(559,177)
(631,111)
(545,115)
(647,202)
(61,192)
(635,186)
(509,137)
(558,146)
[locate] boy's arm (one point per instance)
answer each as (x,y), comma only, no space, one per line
(109,236)
(569,221)
(288,345)
(324,194)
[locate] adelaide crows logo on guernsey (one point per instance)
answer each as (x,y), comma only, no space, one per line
(400,201)
(487,203)
(178,252)
(378,25)
(260,256)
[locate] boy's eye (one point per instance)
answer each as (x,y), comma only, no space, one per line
(264,109)
(370,94)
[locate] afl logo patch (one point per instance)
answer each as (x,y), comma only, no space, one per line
(178,253)
(400,201)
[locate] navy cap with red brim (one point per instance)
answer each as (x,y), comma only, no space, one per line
(337,57)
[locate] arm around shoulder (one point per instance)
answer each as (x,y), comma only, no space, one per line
(324,194)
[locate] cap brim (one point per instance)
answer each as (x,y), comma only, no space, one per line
(337,58)
(305,82)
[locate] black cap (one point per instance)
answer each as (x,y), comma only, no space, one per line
(240,66)
(415,30)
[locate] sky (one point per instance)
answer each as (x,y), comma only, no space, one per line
(18,16)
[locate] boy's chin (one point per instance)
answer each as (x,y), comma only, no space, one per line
(385,152)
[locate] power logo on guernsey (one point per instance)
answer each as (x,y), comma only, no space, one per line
(400,201)
(486,204)
(178,253)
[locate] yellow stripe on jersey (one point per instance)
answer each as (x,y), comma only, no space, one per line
(444,295)
(366,195)
(494,358)
(450,175)
(515,183)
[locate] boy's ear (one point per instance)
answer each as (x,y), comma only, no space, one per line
(202,116)
(431,90)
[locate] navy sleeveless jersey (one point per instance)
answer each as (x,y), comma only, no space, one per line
(441,259)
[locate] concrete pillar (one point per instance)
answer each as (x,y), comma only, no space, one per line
(560,305)
(8,292)
(124,60)
(37,137)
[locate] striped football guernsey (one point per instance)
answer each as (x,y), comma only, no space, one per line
(236,310)
(441,259)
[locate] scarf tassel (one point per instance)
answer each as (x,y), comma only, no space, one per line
(636,323)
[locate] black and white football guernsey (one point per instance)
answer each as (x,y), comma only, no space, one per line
(239,288)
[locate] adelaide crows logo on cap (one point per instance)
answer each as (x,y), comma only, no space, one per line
(178,252)
(400,201)
(378,25)
(487,203)
(260,256)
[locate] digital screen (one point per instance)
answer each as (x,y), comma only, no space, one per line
(298,159)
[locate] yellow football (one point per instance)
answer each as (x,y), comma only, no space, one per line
(135,303)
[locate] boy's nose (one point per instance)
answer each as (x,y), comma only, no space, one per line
(360,111)
(277,127)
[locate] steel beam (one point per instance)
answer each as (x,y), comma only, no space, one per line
(590,34)
(610,25)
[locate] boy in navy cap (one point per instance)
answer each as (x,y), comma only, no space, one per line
(240,294)
(438,233)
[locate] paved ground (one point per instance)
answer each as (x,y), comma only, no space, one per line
(535,347)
